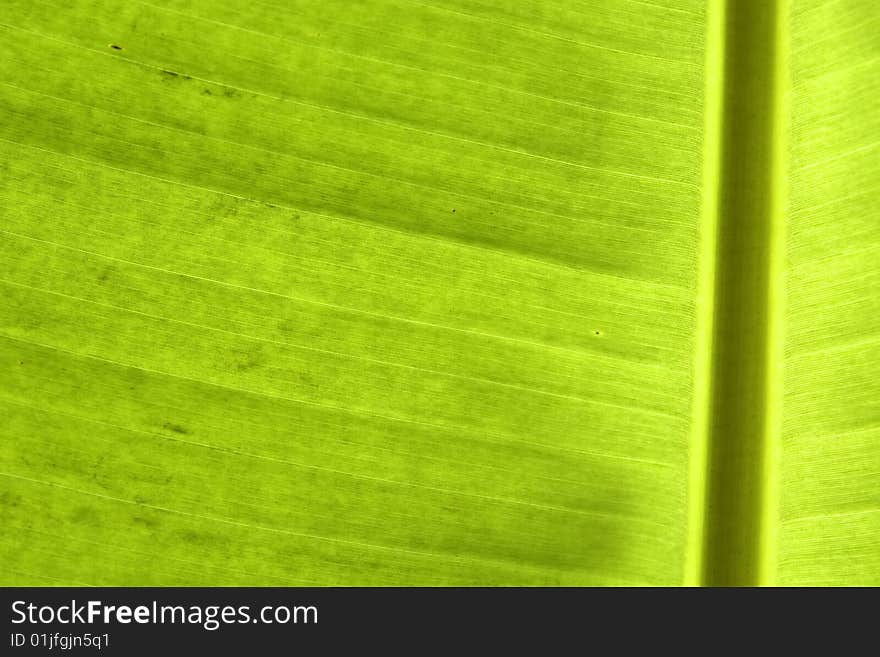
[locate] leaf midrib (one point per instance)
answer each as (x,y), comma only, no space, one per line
(734,463)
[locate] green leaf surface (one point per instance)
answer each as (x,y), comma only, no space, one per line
(395,292)
(829,506)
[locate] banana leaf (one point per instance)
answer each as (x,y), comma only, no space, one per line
(453,292)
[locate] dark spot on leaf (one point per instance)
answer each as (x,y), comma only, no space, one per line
(248,359)
(453,210)
(196,538)
(229,92)
(170,73)
(309,381)
(146,522)
(115,47)
(85,515)
(176,428)
(9,500)
(207,92)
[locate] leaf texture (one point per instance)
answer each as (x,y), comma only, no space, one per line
(829,505)
(397,292)
(348,293)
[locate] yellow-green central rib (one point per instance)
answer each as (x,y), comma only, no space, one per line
(740,498)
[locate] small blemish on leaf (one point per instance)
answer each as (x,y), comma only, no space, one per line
(453,210)
(176,428)
(172,74)
(115,47)
(146,522)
